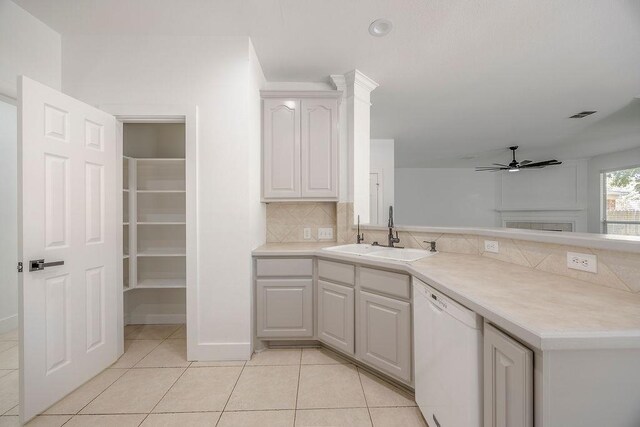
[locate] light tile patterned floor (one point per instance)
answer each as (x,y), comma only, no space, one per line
(153,384)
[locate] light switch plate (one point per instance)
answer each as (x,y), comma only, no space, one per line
(325,233)
(307,233)
(582,262)
(491,246)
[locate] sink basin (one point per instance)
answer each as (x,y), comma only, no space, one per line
(354,249)
(394,254)
(401,254)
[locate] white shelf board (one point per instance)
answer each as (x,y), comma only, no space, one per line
(160,191)
(161,283)
(162,223)
(125,223)
(161,254)
(160,159)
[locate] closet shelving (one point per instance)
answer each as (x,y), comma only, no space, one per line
(154,207)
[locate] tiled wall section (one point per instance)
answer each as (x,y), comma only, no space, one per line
(286,221)
(619,270)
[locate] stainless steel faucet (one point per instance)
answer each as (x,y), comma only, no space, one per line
(392,240)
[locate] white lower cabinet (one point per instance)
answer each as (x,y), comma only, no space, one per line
(367,326)
(508,381)
(284,308)
(336,319)
(384,334)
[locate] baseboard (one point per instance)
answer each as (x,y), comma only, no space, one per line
(155,319)
(8,324)
(219,351)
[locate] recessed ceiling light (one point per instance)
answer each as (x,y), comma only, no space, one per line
(380,27)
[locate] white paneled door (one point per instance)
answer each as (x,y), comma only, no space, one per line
(68,212)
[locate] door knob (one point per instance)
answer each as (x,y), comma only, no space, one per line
(39,264)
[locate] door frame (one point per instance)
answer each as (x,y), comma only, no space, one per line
(170,114)
(381,200)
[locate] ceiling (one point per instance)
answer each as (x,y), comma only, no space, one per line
(458,78)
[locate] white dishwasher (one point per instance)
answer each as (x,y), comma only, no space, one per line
(448,359)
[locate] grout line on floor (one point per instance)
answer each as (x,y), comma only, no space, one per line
(89,403)
(366,402)
(295,407)
(231,394)
(169,389)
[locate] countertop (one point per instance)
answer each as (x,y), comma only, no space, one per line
(544,310)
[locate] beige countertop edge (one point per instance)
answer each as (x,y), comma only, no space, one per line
(537,339)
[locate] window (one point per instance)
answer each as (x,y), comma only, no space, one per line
(621,202)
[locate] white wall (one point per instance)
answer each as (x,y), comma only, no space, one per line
(214,74)
(8,218)
(27,46)
(597,165)
(258,215)
(445,197)
(382,161)
(464,197)
(556,194)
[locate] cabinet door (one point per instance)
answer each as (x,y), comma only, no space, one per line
(281,148)
(284,308)
(320,148)
(508,381)
(336,316)
(384,334)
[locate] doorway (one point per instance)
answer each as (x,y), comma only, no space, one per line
(9,362)
(376,197)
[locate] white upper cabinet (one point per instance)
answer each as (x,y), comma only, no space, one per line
(319,148)
(300,145)
(281,152)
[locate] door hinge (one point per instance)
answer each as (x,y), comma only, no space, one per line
(20,267)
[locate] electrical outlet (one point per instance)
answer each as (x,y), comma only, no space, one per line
(325,233)
(491,246)
(307,233)
(583,262)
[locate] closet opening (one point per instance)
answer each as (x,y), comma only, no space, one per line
(154,223)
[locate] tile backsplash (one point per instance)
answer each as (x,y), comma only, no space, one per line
(286,221)
(618,270)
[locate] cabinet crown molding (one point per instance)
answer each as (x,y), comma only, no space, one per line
(298,94)
(356,78)
(339,81)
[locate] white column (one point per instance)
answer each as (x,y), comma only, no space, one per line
(340,83)
(359,88)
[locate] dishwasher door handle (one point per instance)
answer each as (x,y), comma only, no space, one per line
(435,307)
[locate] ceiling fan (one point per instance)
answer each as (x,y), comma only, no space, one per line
(515,165)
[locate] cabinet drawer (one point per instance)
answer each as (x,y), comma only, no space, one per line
(337,272)
(386,282)
(283,267)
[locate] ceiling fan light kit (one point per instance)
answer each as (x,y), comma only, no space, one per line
(516,166)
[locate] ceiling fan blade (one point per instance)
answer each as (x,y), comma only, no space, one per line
(500,164)
(542,164)
(525,162)
(488,169)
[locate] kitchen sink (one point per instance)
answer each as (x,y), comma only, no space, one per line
(393,254)
(354,249)
(401,254)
